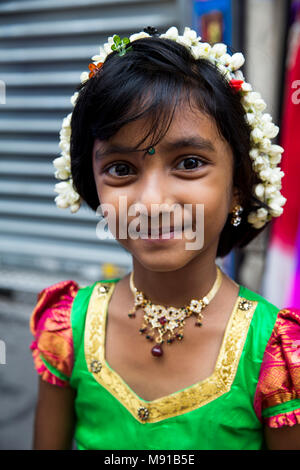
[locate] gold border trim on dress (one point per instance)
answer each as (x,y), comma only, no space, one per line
(183,401)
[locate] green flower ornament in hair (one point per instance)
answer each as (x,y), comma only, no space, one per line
(264,155)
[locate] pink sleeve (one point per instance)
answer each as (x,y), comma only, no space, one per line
(277,397)
(50,324)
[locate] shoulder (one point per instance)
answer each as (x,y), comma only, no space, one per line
(53,302)
(50,324)
(278,390)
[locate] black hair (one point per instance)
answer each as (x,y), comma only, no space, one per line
(150,81)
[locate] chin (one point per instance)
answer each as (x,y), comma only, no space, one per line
(164,262)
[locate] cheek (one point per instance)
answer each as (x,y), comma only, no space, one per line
(215,195)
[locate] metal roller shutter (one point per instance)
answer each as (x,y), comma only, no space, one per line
(44,47)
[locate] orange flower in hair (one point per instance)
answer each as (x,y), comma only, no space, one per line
(94,68)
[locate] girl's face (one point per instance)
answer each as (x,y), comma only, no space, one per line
(192,165)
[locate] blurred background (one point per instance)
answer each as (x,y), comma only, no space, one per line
(44,47)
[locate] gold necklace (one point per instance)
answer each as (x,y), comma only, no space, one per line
(169,321)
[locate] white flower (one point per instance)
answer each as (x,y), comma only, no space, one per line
(238,75)
(65,140)
(254,153)
(62,174)
(259,223)
(75,207)
(61,163)
(67,120)
(72,196)
(260,163)
(201,51)
(196,52)
(266,117)
(74,98)
(262,213)
(237,60)
(140,35)
(269,129)
(275,159)
(270,191)
(219,50)
(225,59)
(191,35)
(204,49)
(184,41)
(250,98)
(65,132)
(259,104)
(276,210)
(266,174)
(275,150)
(279,199)
(61,202)
(246,87)
(107,46)
(276,175)
(259,190)
(62,187)
(222,68)
(171,33)
(256,135)
(67,196)
(101,56)
(84,76)
(98,58)
(265,145)
(255,221)
(251,118)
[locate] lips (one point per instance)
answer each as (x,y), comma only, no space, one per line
(160,231)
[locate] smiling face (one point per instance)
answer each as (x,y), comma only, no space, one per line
(192,164)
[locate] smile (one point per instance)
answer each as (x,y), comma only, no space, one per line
(162,234)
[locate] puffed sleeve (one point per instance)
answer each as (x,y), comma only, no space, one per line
(277,397)
(50,324)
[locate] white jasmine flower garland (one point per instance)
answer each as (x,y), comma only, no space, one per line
(265,156)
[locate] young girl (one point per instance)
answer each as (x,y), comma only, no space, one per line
(175,355)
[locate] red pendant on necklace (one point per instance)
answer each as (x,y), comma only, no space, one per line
(157,350)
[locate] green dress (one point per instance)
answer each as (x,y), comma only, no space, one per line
(216,413)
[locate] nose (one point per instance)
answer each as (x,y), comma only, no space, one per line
(154,190)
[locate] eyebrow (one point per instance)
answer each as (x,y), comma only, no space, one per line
(114,149)
(193,141)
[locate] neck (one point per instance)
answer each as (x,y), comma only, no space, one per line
(176,288)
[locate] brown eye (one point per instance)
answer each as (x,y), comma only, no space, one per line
(121,169)
(192,163)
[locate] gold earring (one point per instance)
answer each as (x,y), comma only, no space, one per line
(236,219)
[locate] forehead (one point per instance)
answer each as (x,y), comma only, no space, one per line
(186,121)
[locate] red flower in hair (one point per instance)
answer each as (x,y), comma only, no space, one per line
(94,68)
(236,84)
